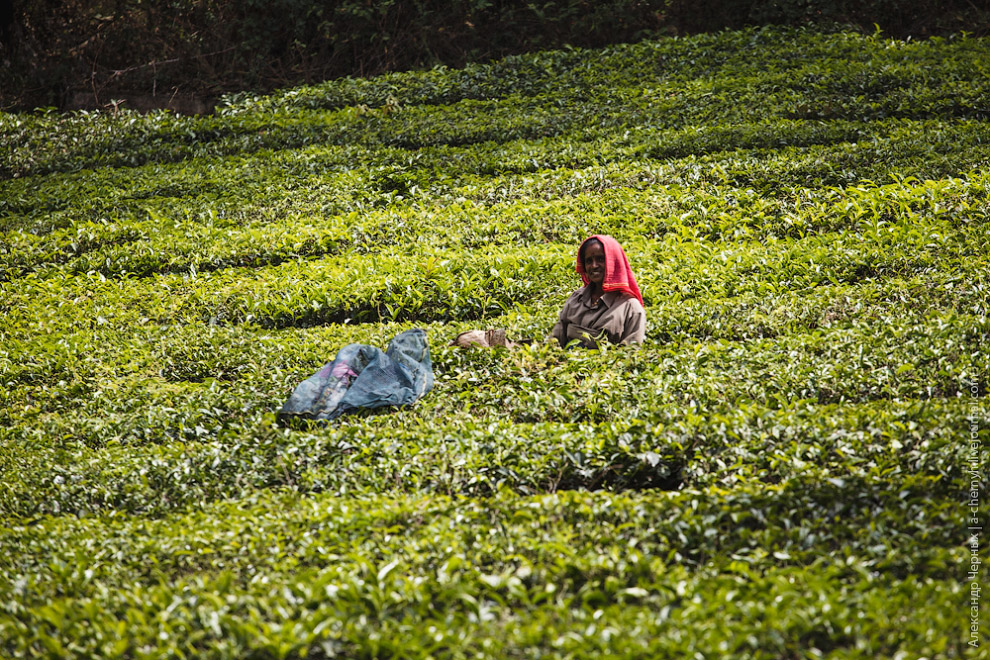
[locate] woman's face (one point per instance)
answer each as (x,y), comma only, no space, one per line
(594,262)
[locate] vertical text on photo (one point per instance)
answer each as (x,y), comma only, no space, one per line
(974,526)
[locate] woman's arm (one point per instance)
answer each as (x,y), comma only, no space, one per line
(560,330)
(634,328)
(563,320)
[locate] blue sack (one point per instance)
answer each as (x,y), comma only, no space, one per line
(363,376)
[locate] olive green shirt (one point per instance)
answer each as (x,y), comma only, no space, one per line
(617,317)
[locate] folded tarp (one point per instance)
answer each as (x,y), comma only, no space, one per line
(363,376)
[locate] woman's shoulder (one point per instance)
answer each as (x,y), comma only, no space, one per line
(575,296)
(634,303)
(573,305)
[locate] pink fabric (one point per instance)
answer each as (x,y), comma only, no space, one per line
(342,371)
(618,274)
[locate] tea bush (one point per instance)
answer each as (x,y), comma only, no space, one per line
(782,469)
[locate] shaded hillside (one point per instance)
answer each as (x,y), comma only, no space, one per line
(183,54)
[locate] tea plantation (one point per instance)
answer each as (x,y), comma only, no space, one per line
(787,468)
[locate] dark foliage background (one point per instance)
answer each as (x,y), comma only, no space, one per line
(74,53)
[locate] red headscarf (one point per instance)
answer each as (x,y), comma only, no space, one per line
(618,274)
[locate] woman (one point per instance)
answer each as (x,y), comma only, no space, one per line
(609,306)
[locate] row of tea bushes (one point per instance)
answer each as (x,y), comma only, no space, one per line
(193,421)
(833,566)
(147,241)
(669,83)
